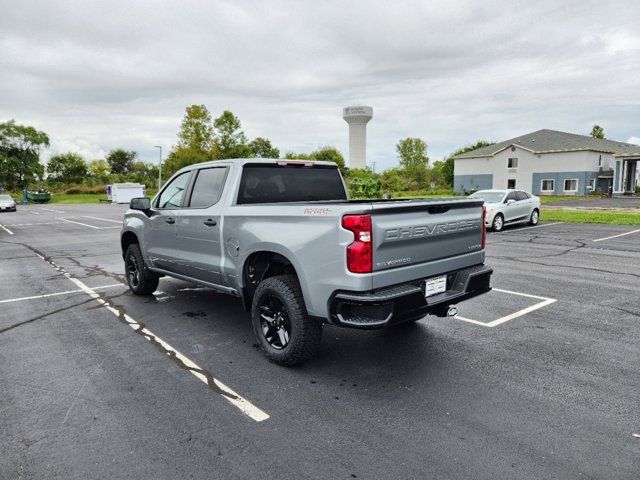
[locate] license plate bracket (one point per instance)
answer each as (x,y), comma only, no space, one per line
(435,285)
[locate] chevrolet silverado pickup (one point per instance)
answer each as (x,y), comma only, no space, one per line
(284,237)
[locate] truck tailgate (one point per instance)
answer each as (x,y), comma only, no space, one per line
(420,231)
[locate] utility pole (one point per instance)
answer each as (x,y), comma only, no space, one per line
(159,167)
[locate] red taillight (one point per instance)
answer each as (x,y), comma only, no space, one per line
(484,227)
(359,253)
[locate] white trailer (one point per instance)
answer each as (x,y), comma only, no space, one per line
(124,192)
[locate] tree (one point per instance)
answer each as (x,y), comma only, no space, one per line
(328,154)
(20,154)
(412,153)
(446,169)
(262,148)
(196,131)
(296,156)
(230,141)
(121,161)
(322,154)
(597,131)
(363,183)
(67,168)
(183,157)
(99,170)
(144,173)
(393,180)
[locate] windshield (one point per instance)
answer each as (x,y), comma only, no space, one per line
(489,197)
(5,198)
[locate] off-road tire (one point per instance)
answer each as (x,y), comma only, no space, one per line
(146,282)
(500,225)
(535,217)
(305,334)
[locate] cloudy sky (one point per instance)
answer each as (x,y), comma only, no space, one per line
(102,75)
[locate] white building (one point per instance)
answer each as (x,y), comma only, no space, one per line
(548,162)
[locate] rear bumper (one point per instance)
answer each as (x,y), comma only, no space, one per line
(404,302)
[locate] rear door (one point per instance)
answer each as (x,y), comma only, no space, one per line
(199,226)
(417,233)
(524,204)
(511,209)
(160,234)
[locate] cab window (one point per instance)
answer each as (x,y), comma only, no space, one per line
(171,196)
(207,187)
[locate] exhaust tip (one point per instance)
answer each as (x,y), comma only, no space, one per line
(452,312)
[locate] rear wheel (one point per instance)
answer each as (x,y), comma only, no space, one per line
(535,217)
(498,223)
(141,281)
(280,321)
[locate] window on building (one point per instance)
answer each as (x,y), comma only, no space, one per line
(571,185)
(548,185)
(512,163)
(592,184)
(511,183)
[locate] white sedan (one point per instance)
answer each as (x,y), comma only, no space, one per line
(505,207)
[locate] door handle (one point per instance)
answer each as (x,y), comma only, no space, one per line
(170,220)
(210,223)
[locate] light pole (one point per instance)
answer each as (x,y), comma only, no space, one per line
(159,167)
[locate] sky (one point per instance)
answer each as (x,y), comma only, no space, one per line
(102,75)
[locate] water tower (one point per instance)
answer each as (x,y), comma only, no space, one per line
(357,117)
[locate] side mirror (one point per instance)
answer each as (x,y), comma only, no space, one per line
(140,203)
(510,201)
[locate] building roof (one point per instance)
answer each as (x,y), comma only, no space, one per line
(552,141)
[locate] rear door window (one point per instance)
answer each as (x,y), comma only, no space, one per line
(273,183)
(511,196)
(207,187)
(522,196)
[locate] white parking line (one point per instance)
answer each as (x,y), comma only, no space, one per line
(227,393)
(46,295)
(6,229)
(545,301)
(52,210)
(79,223)
(35,213)
(31,224)
(104,219)
(616,236)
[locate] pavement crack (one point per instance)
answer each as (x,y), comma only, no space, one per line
(40,317)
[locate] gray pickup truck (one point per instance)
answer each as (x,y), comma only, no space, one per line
(283,236)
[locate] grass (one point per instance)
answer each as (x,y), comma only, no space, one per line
(590,217)
(558,198)
(76,198)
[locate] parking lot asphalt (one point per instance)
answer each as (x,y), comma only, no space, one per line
(537,379)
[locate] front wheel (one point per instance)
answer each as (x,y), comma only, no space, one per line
(535,217)
(141,281)
(498,223)
(280,321)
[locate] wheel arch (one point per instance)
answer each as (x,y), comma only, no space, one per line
(260,265)
(128,237)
